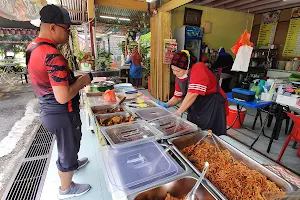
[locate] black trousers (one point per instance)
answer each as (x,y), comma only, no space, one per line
(67,129)
(136,81)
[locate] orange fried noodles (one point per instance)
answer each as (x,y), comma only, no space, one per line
(233,178)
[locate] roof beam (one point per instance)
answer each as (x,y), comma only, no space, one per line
(119,25)
(257,4)
(128,4)
(172,5)
(91,9)
(239,3)
(275,6)
(118,16)
(205,2)
(222,3)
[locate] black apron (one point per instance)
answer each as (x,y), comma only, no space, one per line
(207,112)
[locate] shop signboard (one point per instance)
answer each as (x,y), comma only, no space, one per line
(170,47)
(268,28)
(292,43)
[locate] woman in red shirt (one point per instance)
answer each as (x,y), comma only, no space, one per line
(202,96)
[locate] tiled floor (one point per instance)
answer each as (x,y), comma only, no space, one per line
(92,173)
(289,159)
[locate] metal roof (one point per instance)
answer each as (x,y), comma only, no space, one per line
(77,9)
(138,19)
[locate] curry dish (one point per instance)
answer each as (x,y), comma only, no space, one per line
(110,121)
(233,178)
(105,111)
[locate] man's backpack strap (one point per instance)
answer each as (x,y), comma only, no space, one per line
(29,51)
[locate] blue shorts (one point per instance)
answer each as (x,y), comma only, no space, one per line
(67,129)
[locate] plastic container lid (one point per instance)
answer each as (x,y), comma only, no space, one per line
(125,135)
(172,126)
(127,91)
(145,104)
(243,91)
(99,101)
(121,86)
(136,168)
(152,113)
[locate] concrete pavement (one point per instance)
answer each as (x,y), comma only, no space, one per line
(19,112)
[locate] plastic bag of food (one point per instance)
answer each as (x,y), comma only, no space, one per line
(110,96)
(243,40)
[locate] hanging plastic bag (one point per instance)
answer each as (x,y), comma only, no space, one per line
(242,60)
(110,96)
(243,40)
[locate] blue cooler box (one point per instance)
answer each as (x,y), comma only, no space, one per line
(242,94)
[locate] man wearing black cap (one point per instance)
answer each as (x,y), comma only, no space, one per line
(57,89)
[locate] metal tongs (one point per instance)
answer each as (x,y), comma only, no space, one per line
(208,134)
(118,104)
(192,194)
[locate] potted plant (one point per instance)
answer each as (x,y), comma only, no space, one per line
(85,59)
(103,60)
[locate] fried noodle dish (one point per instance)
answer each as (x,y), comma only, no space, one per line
(233,178)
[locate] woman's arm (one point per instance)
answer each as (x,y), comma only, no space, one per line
(187,102)
(173,101)
(128,61)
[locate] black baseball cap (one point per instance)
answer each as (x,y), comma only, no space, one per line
(52,14)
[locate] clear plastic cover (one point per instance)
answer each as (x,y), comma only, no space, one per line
(144,104)
(139,167)
(125,135)
(96,110)
(99,100)
(173,125)
(152,113)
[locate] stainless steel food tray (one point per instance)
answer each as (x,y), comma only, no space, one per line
(94,94)
(105,107)
(98,127)
(181,142)
(177,188)
(189,178)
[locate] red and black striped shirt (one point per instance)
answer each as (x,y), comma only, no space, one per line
(47,67)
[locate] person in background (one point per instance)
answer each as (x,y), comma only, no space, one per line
(202,96)
(135,72)
(225,62)
(57,90)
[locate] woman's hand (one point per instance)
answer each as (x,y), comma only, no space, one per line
(163,104)
(189,99)
(178,113)
(172,102)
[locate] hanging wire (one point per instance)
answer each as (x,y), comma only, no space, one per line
(247,21)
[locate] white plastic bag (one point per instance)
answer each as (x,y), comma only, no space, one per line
(122,60)
(242,60)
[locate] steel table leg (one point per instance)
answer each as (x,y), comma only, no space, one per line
(237,116)
(260,132)
(256,116)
